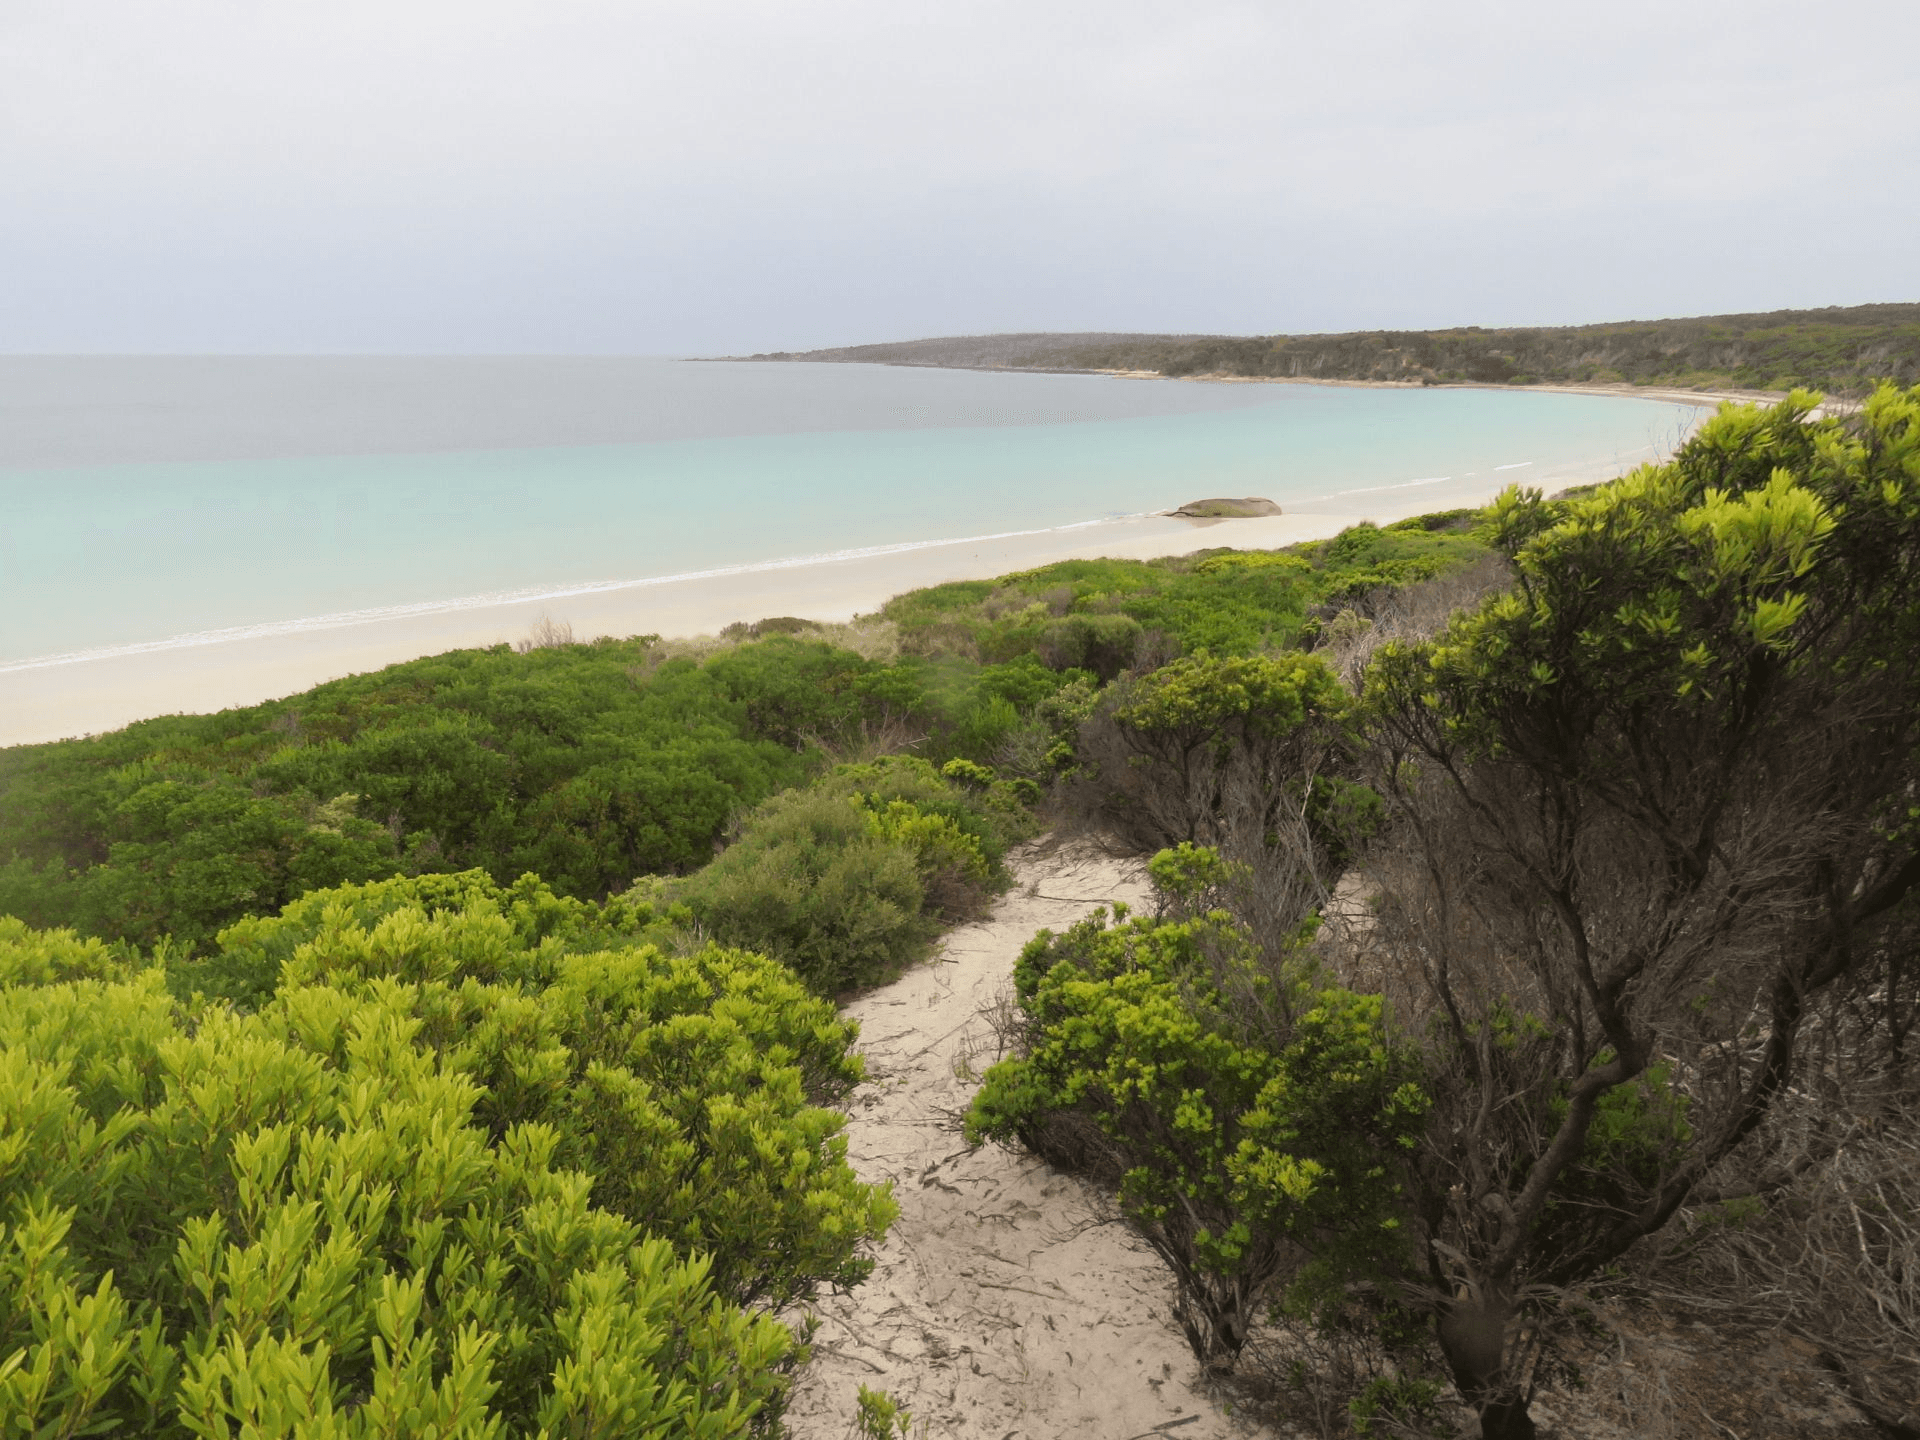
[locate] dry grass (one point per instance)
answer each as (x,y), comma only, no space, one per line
(546,634)
(1833,1259)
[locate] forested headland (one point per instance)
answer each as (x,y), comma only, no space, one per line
(1842,350)
(452,1050)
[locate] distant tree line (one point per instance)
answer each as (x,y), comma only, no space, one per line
(1840,350)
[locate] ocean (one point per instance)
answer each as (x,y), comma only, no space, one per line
(150,502)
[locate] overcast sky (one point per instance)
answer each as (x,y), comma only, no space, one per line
(652,176)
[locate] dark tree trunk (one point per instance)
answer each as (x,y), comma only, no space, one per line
(1216,1318)
(1473,1339)
(1506,1419)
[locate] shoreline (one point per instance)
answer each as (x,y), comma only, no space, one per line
(1620,389)
(198,675)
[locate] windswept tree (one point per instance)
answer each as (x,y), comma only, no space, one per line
(1254,756)
(1171,755)
(1653,819)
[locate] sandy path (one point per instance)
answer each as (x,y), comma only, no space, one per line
(1006,1304)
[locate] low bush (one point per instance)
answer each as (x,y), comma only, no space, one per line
(850,880)
(1248,1117)
(244,967)
(1216,751)
(993,811)
(290,1219)
(954,878)
(811,883)
(465,1165)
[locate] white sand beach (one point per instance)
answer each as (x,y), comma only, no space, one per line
(89,696)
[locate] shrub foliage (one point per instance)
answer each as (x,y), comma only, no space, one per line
(1248,1114)
(455,1176)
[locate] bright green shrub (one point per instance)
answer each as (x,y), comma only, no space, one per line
(1102,615)
(689,1086)
(46,957)
(1231,560)
(967,773)
(1246,1116)
(1196,702)
(878,1416)
(1228,610)
(290,1223)
(1179,754)
(1365,558)
(246,965)
(994,814)
(954,875)
(1112,615)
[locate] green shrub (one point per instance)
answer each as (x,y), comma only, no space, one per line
(46,957)
(967,773)
(1206,747)
(585,763)
(1246,1115)
(793,690)
(673,1079)
(244,967)
(850,880)
(290,1222)
(954,876)
(1102,644)
(810,883)
(878,1416)
(984,727)
(1401,1401)
(1227,561)
(994,815)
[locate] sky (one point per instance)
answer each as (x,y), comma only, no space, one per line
(729,176)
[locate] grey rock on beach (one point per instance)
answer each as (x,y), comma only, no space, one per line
(1244,508)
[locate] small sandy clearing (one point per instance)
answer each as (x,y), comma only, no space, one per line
(1006,1304)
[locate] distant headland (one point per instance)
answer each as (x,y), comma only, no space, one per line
(1840,350)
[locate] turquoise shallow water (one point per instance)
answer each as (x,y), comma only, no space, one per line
(286,500)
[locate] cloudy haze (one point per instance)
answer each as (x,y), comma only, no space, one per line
(728,175)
